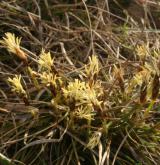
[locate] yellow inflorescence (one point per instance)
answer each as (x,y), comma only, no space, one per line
(16,85)
(84,112)
(83,93)
(49,78)
(12,44)
(93,67)
(45,61)
(142,51)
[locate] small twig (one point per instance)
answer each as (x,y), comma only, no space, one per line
(65,54)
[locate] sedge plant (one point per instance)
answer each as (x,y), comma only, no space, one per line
(95,117)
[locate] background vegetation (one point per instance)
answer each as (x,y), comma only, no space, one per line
(81,86)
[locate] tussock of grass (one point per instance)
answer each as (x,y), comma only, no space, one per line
(79,83)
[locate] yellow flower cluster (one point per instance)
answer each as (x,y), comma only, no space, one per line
(84,112)
(49,78)
(45,61)
(12,44)
(141,76)
(16,85)
(142,51)
(83,93)
(94,139)
(93,67)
